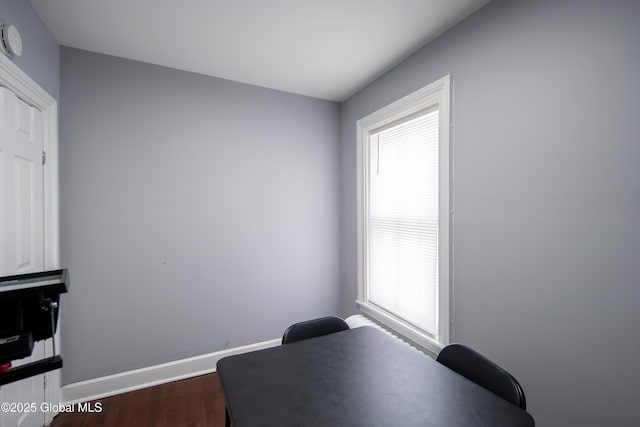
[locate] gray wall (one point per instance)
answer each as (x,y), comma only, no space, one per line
(40,54)
(546,192)
(172,181)
(197,213)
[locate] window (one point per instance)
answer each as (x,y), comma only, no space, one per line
(403,215)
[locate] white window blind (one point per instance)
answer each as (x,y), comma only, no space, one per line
(403,219)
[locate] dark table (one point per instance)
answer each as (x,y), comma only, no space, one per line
(359,377)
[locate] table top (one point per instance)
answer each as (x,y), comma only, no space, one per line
(358,377)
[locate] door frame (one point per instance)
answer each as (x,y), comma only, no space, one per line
(16,80)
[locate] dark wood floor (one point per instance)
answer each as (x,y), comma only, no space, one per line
(194,402)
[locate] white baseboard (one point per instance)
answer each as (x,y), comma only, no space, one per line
(110,385)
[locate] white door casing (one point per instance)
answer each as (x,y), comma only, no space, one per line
(29,229)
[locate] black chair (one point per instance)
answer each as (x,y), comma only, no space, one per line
(313,328)
(484,372)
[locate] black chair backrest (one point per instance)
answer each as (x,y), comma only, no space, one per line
(313,328)
(482,371)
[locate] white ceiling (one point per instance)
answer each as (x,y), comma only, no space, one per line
(327,49)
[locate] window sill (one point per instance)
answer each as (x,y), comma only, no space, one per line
(402,328)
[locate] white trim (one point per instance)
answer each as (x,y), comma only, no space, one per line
(436,93)
(51,191)
(12,77)
(404,329)
(110,385)
(358,321)
(445,236)
(16,80)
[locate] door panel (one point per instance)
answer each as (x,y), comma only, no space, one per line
(21,229)
(24,197)
(28,184)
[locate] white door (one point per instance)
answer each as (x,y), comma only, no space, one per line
(21,231)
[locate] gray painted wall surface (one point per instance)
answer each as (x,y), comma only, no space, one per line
(40,53)
(546,192)
(197,213)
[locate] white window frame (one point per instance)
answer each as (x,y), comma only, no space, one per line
(436,93)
